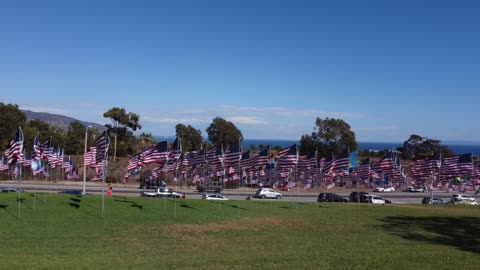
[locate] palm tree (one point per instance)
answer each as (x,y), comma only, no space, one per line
(146,139)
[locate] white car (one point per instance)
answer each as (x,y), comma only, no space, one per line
(463,199)
(385,189)
(216,197)
(374,199)
(163,192)
(265,193)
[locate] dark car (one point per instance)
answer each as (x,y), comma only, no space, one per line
(359,197)
(8,190)
(434,200)
(330,197)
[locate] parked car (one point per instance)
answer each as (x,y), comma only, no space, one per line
(358,197)
(463,199)
(417,189)
(264,193)
(330,197)
(217,197)
(163,192)
(8,190)
(71,192)
(384,189)
(210,187)
(433,200)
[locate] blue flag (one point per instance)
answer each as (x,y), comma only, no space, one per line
(353,160)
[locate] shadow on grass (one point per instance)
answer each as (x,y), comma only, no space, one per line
(132,203)
(3,206)
(76,205)
(186,206)
(236,206)
(76,200)
(460,232)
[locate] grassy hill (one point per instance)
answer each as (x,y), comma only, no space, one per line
(149,233)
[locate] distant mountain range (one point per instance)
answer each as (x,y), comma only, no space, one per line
(60,121)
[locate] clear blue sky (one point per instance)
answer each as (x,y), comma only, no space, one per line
(388,68)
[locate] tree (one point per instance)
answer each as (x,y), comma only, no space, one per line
(122,123)
(146,139)
(418,147)
(330,137)
(223,132)
(76,138)
(37,127)
(11,117)
(190,137)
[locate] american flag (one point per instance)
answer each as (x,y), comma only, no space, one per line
(199,157)
(37,148)
(133,162)
(99,171)
(288,157)
(89,157)
(233,154)
(260,158)
(16,171)
(341,162)
(3,165)
(215,156)
(245,159)
(27,162)
(327,164)
(386,163)
(67,164)
(364,171)
(47,148)
(157,154)
(175,149)
(102,143)
(307,162)
(456,166)
(14,152)
(423,168)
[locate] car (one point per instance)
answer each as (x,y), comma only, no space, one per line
(8,190)
(463,199)
(375,199)
(264,193)
(163,192)
(330,197)
(216,197)
(210,187)
(358,197)
(417,189)
(384,189)
(433,200)
(71,191)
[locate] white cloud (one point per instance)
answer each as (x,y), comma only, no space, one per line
(247,120)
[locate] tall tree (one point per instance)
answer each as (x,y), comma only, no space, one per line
(418,147)
(122,122)
(223,132)
(191,138)
(11,117)
(330,137)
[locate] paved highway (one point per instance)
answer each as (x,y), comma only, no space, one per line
(395,197)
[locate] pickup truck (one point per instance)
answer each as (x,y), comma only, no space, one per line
(163,192)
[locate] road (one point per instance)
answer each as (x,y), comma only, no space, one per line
(395,197)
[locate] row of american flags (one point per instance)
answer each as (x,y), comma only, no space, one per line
(232,163)
(287,166)
(45,157)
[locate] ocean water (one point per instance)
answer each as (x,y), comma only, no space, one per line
(458,149)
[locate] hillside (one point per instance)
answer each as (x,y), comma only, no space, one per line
(60,121)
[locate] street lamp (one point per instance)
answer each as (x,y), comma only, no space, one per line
(85,165)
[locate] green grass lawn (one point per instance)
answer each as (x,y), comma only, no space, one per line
(68,232)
